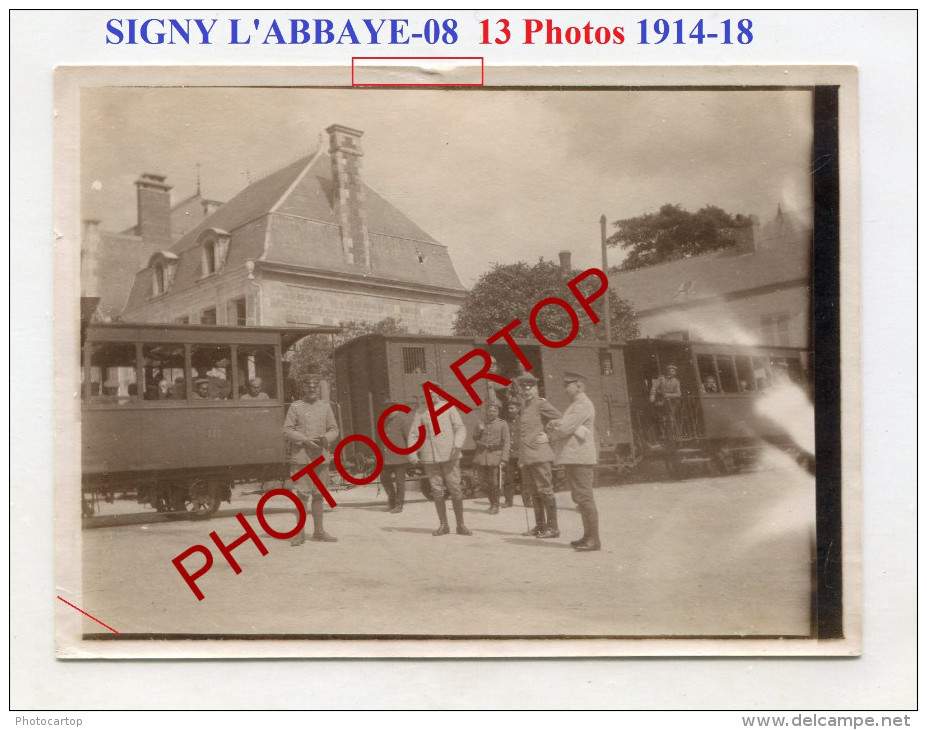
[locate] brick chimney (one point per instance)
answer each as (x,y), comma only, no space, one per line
(154,211)
(350,202)
(566,264)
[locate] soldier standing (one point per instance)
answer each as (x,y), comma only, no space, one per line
(492,451)
(310,428)
(535,456)
(394,465)
(575,448)
(665,394)
(440,455)
(511,466)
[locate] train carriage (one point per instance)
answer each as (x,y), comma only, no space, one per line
(167,412)
(718,419)
(374,369)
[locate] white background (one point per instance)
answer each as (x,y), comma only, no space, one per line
(881,44)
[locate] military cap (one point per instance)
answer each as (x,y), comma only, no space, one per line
(526,378)
(671,367)
(201,381)
(573,378)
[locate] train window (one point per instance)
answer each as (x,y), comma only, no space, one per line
(761,373)
(413,360)
(745,374)
(212,368)
(113,374)
(795,370)
(707,373)
(208,316)
(606,366)
(257,372)
(163,368)
(785,370)
(728,378)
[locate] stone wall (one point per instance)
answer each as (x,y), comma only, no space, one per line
(293,304)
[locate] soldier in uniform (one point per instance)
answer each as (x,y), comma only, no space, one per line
(311,430)
(511,466)
(492,451)
(440,455)
(574,442)
(394,465)
(535,456)
(665,394)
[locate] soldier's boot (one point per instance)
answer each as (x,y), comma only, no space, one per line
(459,516)
(550,529)
(581,540)
(540,523)
(591,543)
(319,534)
(400,496)
(300,537)
(390,495)
(441,509)
(493,499)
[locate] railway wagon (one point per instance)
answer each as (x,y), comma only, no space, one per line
(719,418)
(374,369)
(167,411)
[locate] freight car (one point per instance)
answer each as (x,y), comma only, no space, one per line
(167,413)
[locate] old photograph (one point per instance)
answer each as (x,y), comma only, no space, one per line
(550,367)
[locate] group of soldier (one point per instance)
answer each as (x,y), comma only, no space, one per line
(532,438)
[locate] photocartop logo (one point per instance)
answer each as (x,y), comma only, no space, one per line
(430,390)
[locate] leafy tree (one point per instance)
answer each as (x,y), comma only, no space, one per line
(674,233)
(315,353)
(510,291)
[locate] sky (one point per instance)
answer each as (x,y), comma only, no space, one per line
(496,175)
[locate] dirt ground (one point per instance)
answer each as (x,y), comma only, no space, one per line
(723,556)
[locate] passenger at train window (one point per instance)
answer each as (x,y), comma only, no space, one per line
(219,388)
(255,390)
(201,390)
(711,385)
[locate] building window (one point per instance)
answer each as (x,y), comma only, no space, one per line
(209,258)
(208,316)
(157,280)
(775,329)
(238,312)
(605,362)
(413,360)
(182,320)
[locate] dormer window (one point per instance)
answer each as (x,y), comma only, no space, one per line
(162,264)
(215,243)
(209,258)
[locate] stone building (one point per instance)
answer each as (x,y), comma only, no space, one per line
(308,244)
(110,260)
(758,292)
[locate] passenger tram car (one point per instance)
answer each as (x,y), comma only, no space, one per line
(716,423)
(168,417)
(167,413)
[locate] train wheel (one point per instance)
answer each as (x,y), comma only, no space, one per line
(201,500)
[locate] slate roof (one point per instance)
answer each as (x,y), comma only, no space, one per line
(782,256)
(260,221)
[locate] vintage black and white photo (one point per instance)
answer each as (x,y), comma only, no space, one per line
(294,277)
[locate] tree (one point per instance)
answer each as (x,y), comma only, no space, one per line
(674,233)
(510,291)
(314,354)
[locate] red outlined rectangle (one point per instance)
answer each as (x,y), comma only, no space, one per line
(354,68)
